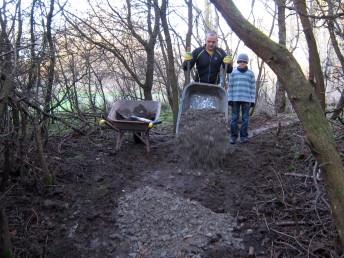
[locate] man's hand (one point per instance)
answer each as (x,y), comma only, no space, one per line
(187,56)
(228,60)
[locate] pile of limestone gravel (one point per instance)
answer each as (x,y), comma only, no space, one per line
(160,224)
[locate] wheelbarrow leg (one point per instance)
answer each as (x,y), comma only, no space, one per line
(146,137)
(119,139)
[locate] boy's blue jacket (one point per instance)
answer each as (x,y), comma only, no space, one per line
(242,86)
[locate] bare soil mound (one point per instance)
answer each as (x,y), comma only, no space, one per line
(203,138)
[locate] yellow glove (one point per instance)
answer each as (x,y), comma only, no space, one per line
(227,60)
(187,56)
(102,122)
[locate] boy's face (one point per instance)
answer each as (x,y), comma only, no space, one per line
(242,64)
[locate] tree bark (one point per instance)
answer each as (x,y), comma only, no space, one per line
(6,169)
(190,19)
(52,60)
(188,38)
(47,176)
(6,68)
(148,85)
(316,76)
(280,98)
(304,101)
(34,63)
(171,73)
(51,72)
(162,69)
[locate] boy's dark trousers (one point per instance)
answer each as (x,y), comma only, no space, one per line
(245,115)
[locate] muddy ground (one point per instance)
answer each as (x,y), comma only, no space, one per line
(270,187)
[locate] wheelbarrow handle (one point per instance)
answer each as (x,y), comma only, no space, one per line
(157,122)
(153,122)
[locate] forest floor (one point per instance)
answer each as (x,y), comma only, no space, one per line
(135,204)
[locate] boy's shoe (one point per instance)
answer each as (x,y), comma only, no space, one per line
(232,141)
(243,139)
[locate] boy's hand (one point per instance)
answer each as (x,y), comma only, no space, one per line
(252,105)
(187,56)
(228,60)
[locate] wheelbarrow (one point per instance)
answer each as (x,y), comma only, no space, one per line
(134,116)
(202,96)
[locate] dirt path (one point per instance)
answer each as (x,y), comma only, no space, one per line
(270,210)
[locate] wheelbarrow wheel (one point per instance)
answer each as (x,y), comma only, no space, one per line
(137,139)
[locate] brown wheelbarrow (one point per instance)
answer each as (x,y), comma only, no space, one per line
(137,117)
(198,96)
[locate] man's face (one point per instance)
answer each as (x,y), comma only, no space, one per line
(211,43)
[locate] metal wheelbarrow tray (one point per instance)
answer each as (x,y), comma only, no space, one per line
(119,118)
(202,96)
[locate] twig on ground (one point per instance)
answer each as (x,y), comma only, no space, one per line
(7,191)
(291,223)
(281,185)
(28,163)
(34,213)
(287,244)
(289,236)
(310,244)
(297,175)
(266,223)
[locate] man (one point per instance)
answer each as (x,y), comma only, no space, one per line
(208,60)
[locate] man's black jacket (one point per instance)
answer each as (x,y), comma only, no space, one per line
(208,66)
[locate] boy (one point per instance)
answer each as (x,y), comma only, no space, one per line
(241,95)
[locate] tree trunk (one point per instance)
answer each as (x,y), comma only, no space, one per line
(47,176)
(280,98)
(188,38)
(52,59)
(51,70)
(147,86)
(316,76)
(34,63)
(5,91)
(6,170)
(171,73)
(304,101)
(6,69)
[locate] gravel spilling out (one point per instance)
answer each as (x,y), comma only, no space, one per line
(203,138)
(160,224)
